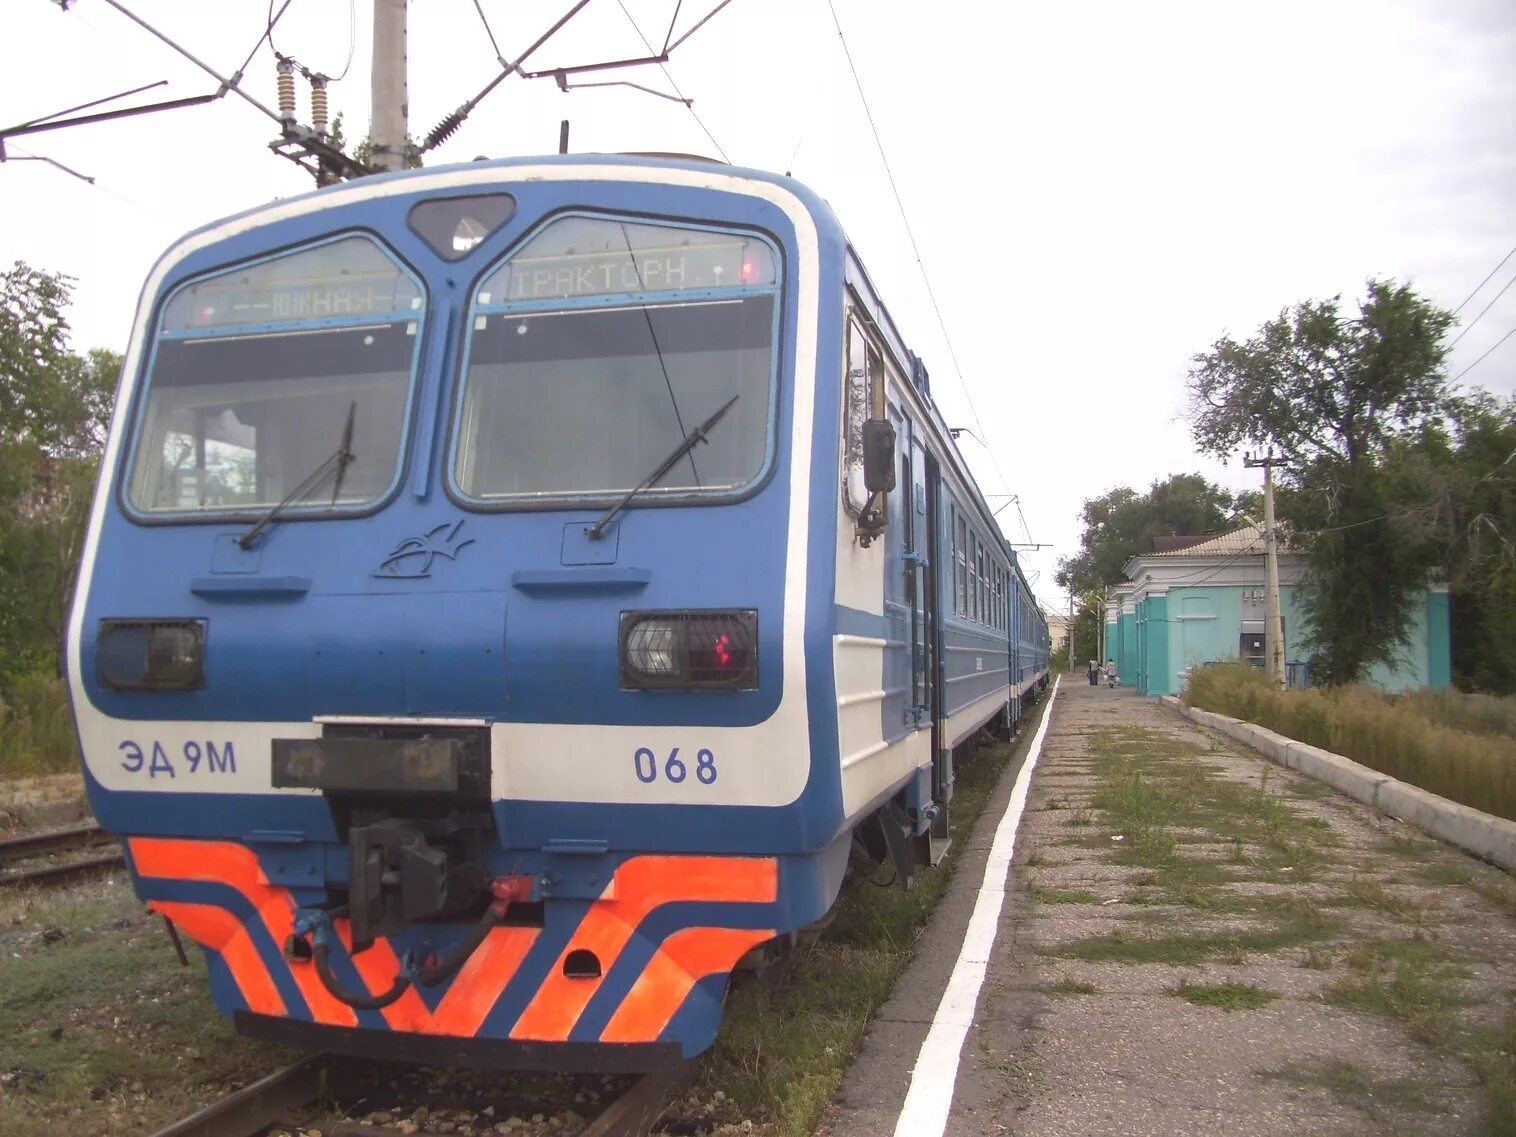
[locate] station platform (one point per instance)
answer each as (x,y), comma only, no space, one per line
(1188,939)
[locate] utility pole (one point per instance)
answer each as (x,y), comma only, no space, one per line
(1273,623)
(1071,633)
(389,96)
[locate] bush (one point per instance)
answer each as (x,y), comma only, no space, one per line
(37,729)
(1461,747)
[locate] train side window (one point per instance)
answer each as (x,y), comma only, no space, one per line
(952,550)
(983,583)
(863,399)
(963,569)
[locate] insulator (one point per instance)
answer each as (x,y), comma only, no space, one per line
(318,105)
(286,91)
(443,129)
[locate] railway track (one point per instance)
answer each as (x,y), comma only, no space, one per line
(299,1099)
(33,846)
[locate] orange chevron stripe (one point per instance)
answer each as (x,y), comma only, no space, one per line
(225,862)
(479,982)
(219,930)
(641,884)
(377,966)
(684,959)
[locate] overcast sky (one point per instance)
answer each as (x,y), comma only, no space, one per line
(1097,190)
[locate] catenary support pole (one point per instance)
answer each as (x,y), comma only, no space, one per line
(1273,621)
(1071,631)
(389,121)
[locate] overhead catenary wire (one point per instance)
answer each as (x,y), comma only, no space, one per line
(93,183)
(1485,281)
(450,123)
(308,72)
(1482,311)
(915,248)
(483,19)
(1482,358)
(669,75)
(232,84)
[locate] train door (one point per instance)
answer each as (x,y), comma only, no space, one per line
(900,711)
(919,554)
(929,621)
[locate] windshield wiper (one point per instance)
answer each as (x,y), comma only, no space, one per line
(691,439)
(338,460)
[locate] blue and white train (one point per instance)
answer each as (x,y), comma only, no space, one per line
(512,591)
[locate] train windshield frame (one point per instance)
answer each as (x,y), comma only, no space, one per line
(255,373)
(601,341)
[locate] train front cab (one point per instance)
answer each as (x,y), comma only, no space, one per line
(457,753)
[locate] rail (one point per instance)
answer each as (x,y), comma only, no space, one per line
(33,845)
(294,1097)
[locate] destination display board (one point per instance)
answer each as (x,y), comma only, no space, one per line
(280,301)
(566,276)
(351,277)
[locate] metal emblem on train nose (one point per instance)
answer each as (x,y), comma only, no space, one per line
(412,557)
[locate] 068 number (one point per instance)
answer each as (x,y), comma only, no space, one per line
(675,769)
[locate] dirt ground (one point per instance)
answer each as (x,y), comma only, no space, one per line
(1202,942)
(40,803)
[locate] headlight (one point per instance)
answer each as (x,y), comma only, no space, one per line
(155,655)
(707,650)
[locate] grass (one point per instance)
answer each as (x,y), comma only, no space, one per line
(1409,980)
(1224,996)
(1476,714)
(37,729)
(1461,747)
(99,1030)
(1067,986)
(1063,895)
(1182,949)
(1352,1084)
(781,1055)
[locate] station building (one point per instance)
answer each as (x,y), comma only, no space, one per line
(1196,600)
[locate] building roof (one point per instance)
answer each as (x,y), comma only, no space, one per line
(1174,543)
(1247,540)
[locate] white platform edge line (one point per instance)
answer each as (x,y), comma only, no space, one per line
(924,1112)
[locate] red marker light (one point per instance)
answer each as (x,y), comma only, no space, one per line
(749,272)
(722,650)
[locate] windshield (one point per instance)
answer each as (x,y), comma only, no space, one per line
(256,373)
(600,345)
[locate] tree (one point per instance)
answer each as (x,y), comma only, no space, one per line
(1456,503)
(54,407)
(1335,395)
(1123,523)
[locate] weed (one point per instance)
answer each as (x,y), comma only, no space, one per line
(1444,874)
(1419,994)
(1181,949)
(1069,987)
(37,729)
(1063,895)
(1445,743)
(1224,996)
(1351,1084)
